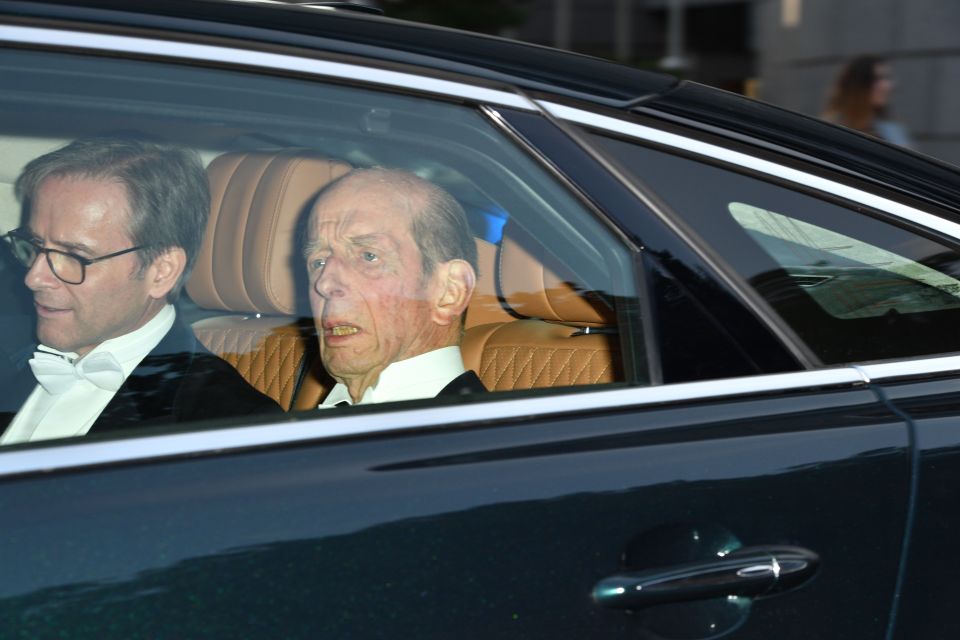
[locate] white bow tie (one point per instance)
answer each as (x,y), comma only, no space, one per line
(56,373)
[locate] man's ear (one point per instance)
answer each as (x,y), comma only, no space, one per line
(164,271)
(455,280)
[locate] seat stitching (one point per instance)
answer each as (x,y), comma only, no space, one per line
(528,363)
(567,366)
(546,366)
(510,365)
(586,364)
(602,371)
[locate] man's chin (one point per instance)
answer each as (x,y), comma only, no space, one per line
(55,340)
(342,367)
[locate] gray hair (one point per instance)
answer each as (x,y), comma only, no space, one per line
(439,225)
(167,190)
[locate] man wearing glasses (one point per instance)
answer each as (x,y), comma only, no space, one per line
(112,228)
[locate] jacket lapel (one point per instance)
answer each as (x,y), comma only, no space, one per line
(16,378)
(149,393)
(466,382)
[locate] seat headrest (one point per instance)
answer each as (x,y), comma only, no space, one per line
(533,290)
(246,262)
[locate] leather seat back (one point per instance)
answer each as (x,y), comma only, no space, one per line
(248,271)
(565,336)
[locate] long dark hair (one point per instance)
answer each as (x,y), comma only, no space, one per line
(850,100)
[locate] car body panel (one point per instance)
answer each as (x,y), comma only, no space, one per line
(478,532)
(929,588)
(375,38)
(499,517)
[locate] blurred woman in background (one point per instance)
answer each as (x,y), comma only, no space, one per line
(860,100)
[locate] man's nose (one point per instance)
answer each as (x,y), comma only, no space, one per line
(330,282)
(40,275)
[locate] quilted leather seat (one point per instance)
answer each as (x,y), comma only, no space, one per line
(248,271)
(564,336)
(526,327)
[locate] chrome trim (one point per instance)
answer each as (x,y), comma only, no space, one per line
(623,127)
(863,374)
(85,454)
(49,38)
(902,368)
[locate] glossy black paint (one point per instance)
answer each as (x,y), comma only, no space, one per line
(495,532)
(494,59)
(930,589)
(504,531)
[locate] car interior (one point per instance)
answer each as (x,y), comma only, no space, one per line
(526,326)
(555,287)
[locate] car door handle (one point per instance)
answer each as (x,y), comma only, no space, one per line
(750,571)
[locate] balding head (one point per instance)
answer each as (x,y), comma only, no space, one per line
(391,263)
(438,223)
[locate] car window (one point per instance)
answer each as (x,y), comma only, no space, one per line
(852,285)
(298,286)
(844,276)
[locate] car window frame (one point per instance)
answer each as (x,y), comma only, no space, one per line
(43,456)
(60,456)
(407,417)
(577,122)
(806,181)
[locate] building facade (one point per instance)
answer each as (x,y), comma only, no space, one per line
(801,44)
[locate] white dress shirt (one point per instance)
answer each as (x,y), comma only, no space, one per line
(74,411)
(422,376)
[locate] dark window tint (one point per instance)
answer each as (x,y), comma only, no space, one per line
(538,293)
(851,286)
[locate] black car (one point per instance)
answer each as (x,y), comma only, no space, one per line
(721,343)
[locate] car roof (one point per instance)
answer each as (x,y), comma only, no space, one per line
(524,65)
(531,68)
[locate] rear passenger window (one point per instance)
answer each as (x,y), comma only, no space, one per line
(358,242)
(852,285)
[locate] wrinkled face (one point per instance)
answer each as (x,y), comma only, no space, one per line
(87,217)
(369,303)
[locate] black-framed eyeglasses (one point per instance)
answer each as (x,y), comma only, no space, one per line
(67,267)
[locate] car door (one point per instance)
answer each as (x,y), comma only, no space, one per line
(856,278)
(496,520)
(749,496)
(926,391)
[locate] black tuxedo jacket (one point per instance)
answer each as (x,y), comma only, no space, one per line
(466,382)
(179,381)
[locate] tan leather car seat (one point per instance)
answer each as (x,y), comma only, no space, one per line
(247,268)
(526,328)
(564,336)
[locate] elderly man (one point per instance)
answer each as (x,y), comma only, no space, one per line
(392,265)
(112,228)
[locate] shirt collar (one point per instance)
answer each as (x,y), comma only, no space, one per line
(130,348)
(422,376)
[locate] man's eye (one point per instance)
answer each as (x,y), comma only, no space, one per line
(316,264)
(369,257)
